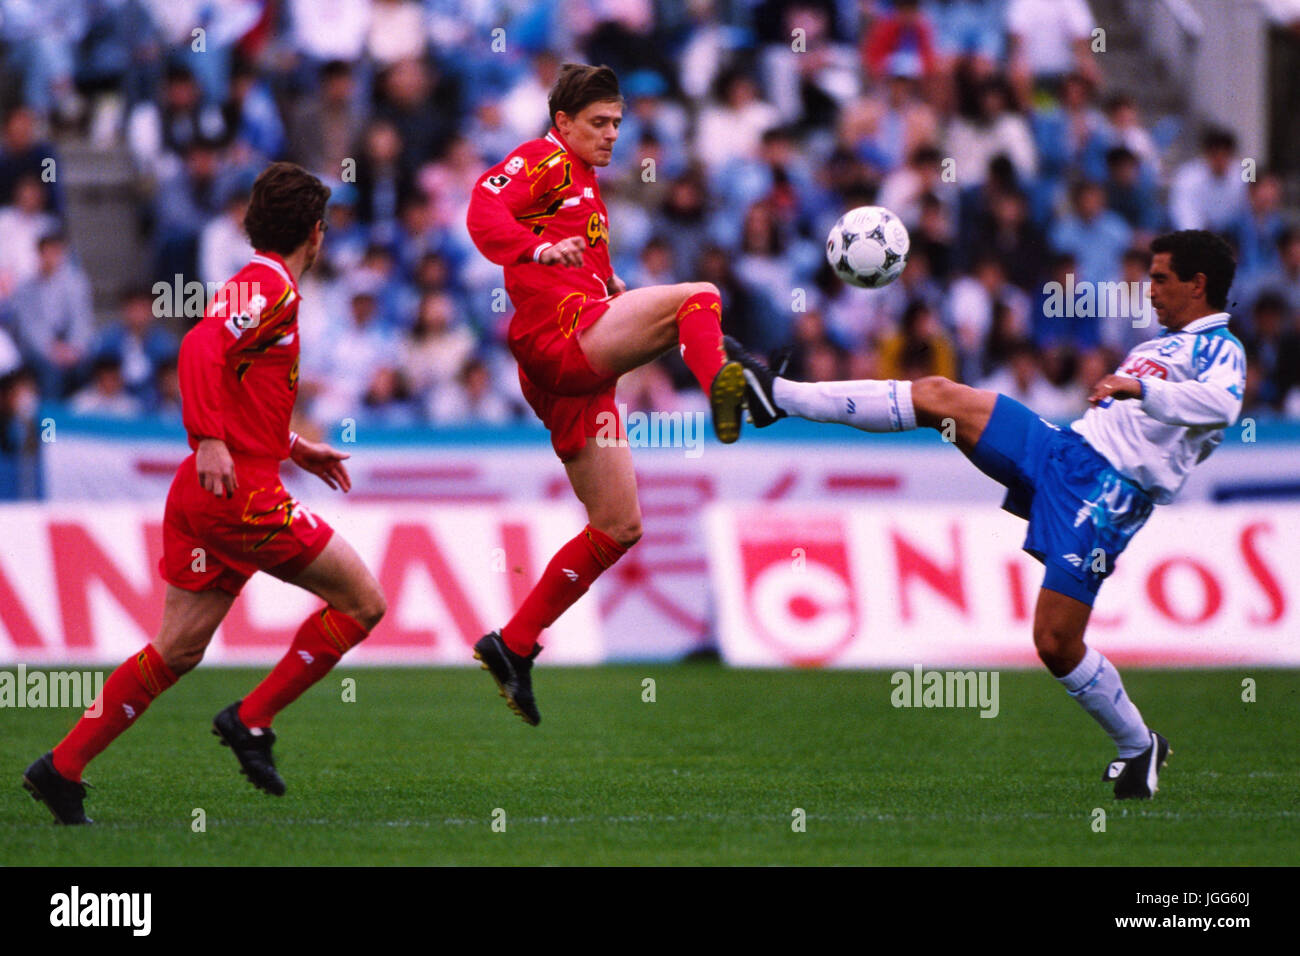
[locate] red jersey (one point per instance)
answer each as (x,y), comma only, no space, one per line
(539,194)
(239,366)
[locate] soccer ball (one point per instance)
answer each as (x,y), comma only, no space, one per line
(868,246)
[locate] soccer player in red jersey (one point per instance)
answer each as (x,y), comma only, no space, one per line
(227,514)
(576,329)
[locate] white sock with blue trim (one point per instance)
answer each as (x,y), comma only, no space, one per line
(1096,685)
(869,404)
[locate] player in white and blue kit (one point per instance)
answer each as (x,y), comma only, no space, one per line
(1086,490)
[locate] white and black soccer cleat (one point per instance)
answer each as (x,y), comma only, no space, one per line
(759,379)
(1135,778)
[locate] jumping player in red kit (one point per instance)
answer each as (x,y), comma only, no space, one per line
(576,329)
(228,516)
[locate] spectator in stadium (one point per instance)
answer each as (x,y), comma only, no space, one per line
(397,31)
(469,399)
(223,245)
(1270,343)
(186,201)
(387,401)
(55,318)
(732,125)
(903,188)
(322,32)
(160,134)
(23,154)
(324,128)
(919,347)
(139,341)
(1020,375)
(423,104)
(525,101)
(166,392)
(20,436)
(22,224)
(900,42)
(106,393)
(990,127)
(252,118)
(1132,195)
(1093,234)
(685,215)
(1122,128)
(765,268)
(1048,39)
(656,265)
(383,180)
(353,355)
(1256,231)
(1007,232)
(1208,192)
(437,347)
(973,302)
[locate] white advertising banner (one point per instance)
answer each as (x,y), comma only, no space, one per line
(79,583)
(949,585)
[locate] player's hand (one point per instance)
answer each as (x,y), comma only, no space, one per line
(322,461)
(1115,386)
(566,252)
(615,286)
(216,468)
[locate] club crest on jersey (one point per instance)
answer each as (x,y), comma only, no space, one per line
(1170,347)
(597,231)
(515,164)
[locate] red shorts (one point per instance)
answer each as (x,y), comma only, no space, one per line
(212,542)
(573,400)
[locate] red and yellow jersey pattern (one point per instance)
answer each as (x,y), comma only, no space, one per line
(539,194)
(239,365)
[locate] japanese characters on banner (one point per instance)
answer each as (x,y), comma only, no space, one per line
(949,585)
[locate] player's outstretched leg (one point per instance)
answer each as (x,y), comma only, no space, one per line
(354,606)
(643,324)
(1093,681)
(604,480)
(189,620)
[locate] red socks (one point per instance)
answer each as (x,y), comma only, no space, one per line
(699,330)
(565,579)
(127,694)
(323,638)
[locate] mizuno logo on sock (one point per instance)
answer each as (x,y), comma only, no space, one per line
(306,657)
(571,575)
(129,711)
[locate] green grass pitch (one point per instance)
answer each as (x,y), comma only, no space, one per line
(711,772)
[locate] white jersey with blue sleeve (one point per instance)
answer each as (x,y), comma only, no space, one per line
(1192,386)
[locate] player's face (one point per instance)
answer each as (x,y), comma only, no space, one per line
(593,131)
(1171,297)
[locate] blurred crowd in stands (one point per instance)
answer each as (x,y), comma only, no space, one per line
(750,126)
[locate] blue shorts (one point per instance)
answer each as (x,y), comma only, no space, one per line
(1081,511)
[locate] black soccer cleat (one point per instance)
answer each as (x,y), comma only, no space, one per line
(1135,777)
(251,747)
(759,379)
(727,401)
(512,673)
(64,797)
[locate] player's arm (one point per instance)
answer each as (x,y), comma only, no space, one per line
(1212,398)
(497,204)
(321,460)
(200,367)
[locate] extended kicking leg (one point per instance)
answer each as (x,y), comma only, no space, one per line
(643,324)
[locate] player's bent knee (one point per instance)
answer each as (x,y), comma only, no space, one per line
(690,289)
(625,533)
(181,656)
(370,609)
(1058,650)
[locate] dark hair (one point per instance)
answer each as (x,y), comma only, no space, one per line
(285,205)
(579,85)
(1216,137)
(1193,251)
